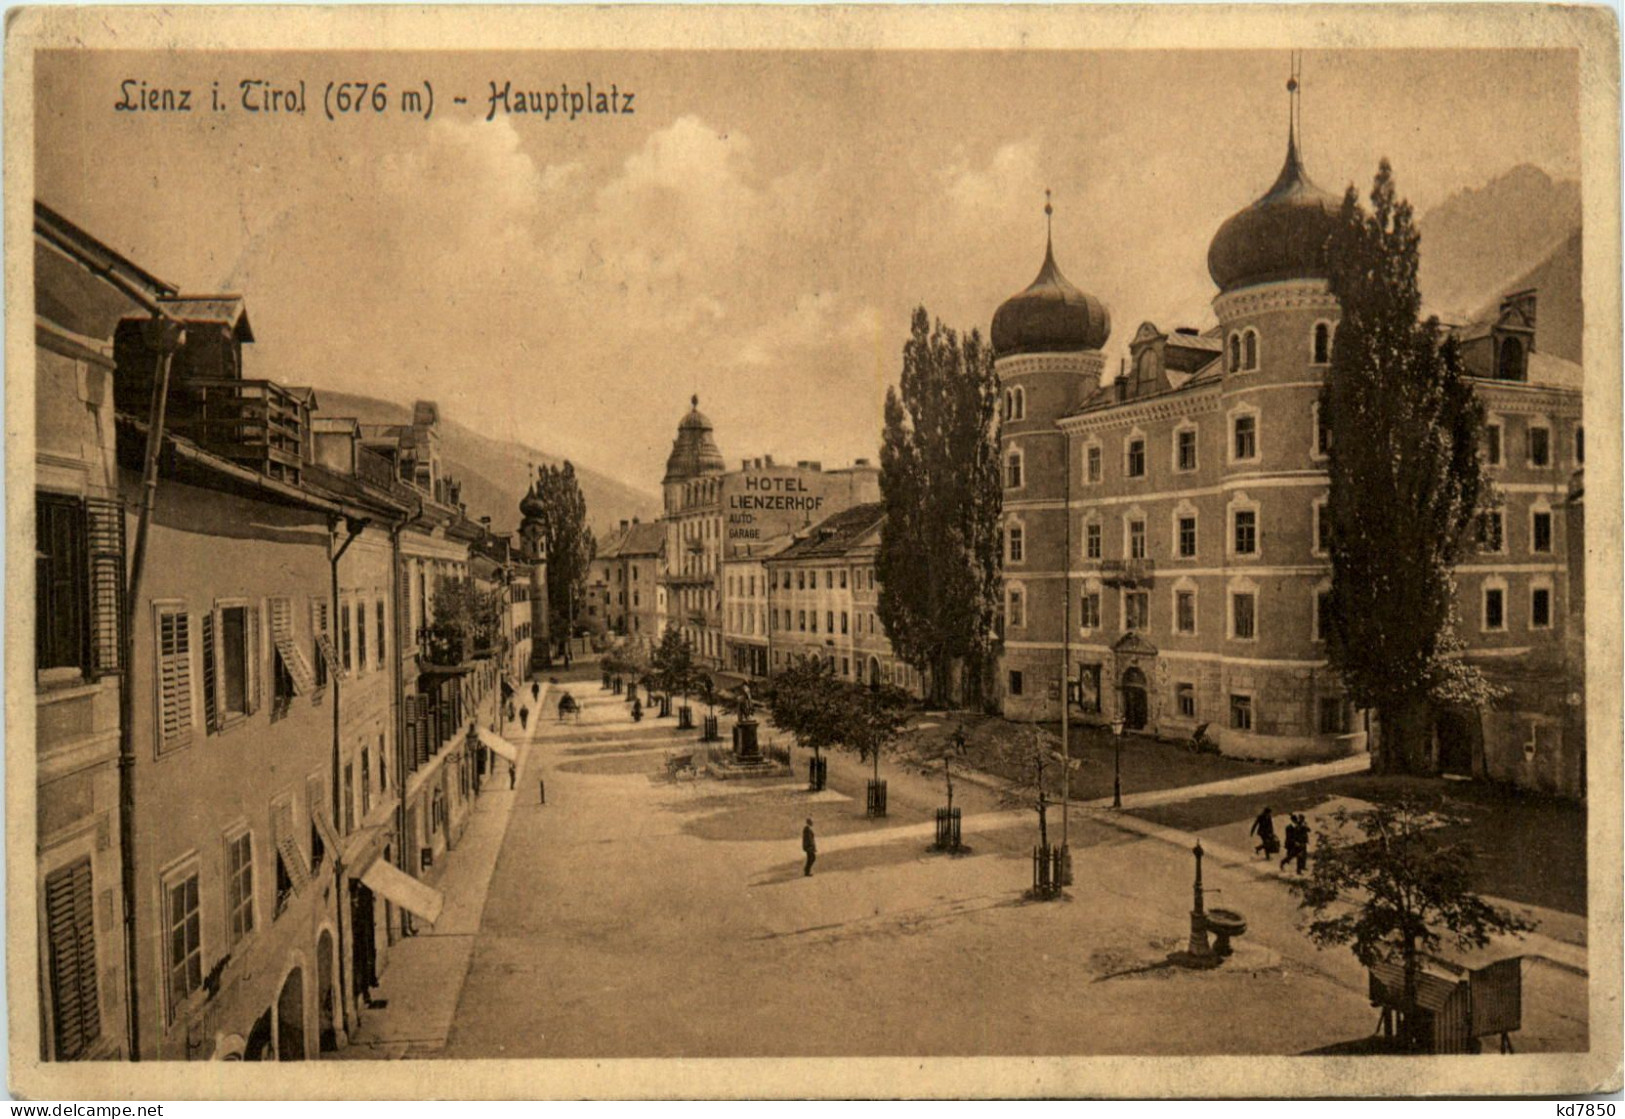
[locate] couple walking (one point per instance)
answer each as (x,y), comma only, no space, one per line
(1297,838)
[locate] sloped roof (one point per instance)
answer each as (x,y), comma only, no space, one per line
(635,540)
(836,534)
(226,309)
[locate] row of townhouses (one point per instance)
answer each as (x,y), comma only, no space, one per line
(1164,539)
(259,728)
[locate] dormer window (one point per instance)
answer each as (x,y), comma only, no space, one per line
(1510,364)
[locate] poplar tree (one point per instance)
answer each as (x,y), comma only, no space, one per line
(567,540)
(1406,483)
(938,561)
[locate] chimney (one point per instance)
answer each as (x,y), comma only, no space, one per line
(769,460)
(860,462)
(623,526)
(634,520)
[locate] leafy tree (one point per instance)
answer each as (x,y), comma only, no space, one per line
(567,542)
(1032,757)
(1395,886)
(870,718)
(466,618)
(938,561)
(1406,482)
(806,700)
(673,664)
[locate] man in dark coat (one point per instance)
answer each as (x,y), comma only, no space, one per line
(1264,828)
(809,844)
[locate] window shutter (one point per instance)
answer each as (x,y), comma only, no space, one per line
(411,727)
(211,671)
(104,522)
(174,680)
(293,860)
(424,730)
(404,637)
(69,907)
(293,657)
(253,657)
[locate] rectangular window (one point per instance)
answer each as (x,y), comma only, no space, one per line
(240,885)
(1187,537)
(1089,610)
(345,650)
(1015,682)
(1136,610)
(1492,444)
(378,634)
(843,578)
(361,636)
(75,1005)
(1241,712)
(829,621)
(1323,433)
(1494,608)
(846,668)
(1091,541)
(1542,537)
(349,797)
(1246,437)
(1185,611)
(60,599)
(174,669)
(1540,446)
(1091,458)
(1242,610)
(1185,695)
(1015,539)
(829,580)
(812,621)
(1490,531)
(1016,615)
(1323,529)
(1136,540)
(1013,472)
(1246,532)
(231,644)
(185,942)
(1333,715)
(1323,611)
(1136,458)
(1187,450)
(801,620)
(1540,607)
(843,621)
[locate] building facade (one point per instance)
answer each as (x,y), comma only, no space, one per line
(1164,545)
(822,596)
(626,580)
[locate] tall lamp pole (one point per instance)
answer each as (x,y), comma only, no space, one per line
(1117,758)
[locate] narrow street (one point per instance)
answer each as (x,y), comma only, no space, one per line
(636,916)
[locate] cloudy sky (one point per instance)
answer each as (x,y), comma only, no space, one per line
(756,231)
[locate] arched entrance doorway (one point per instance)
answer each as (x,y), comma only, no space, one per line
(1135,704)
(290,1018)
(258,1045)
(874,672)
(326,993)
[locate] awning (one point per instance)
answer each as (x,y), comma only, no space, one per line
(497,744)
(404,890)
(325,829)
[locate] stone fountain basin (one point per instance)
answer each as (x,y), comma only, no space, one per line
(1226,922)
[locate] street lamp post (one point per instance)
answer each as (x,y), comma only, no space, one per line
(1117,759)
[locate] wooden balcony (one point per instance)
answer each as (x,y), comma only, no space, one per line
(259,424)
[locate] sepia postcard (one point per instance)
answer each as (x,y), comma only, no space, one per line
(688,552)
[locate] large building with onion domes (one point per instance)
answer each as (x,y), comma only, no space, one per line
(1163,536)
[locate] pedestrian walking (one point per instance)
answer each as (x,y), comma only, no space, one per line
(535,689)
(513,775)
(809,844)
(1264,828)
(1303,842)
(524,717)
(1291,837)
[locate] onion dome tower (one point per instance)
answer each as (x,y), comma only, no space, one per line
(1047,342)
(1281,236)
(694,454)
(1050,316)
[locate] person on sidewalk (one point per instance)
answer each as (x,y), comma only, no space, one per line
(524,717)
(535,689)
(513,775)
(1303,842)
(1291,835)
(1264,828)
(809,844)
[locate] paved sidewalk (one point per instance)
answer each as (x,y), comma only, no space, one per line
(425,973)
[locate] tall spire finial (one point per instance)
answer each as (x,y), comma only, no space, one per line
(695,400)
(1293,84)
(1049,227)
